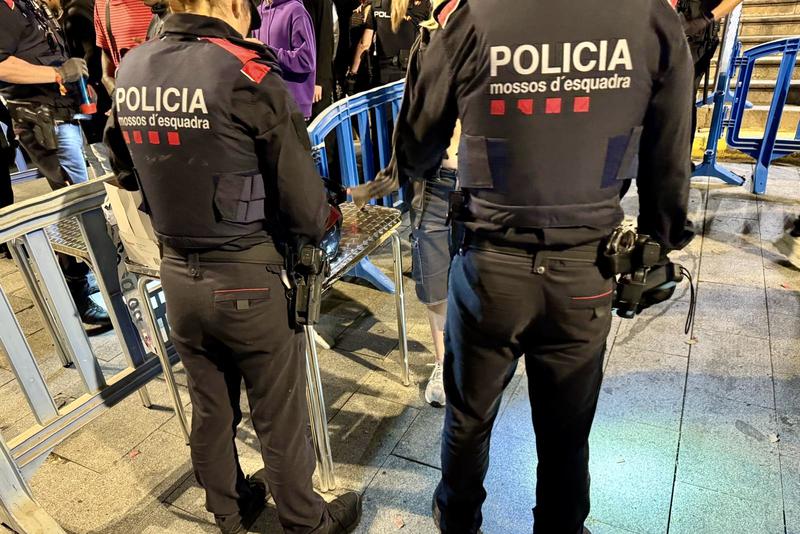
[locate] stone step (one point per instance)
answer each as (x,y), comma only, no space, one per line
(784,24)
(771,7)
(751,41)
(756,118)
(765,69)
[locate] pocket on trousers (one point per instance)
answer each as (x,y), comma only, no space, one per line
(240,299)
(240,198)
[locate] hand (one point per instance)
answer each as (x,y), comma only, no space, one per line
(317,93)
(696,27)
(73,70)
(361,194)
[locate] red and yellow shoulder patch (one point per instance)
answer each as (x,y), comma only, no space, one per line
(446,8)
(250,68)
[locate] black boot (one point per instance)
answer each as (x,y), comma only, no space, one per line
(437,516)
(343,513)
(250,508)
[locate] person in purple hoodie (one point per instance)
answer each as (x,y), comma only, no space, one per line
(286,27)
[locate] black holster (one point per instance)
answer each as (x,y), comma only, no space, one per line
(39,118)
(308,267)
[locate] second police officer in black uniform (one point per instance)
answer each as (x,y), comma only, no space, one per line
(393,25)
(561,104)
(223,160)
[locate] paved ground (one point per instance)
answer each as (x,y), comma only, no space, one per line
(695,433)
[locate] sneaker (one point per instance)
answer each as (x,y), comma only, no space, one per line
(249,510)
(344,513)
(789,246)
(434,391)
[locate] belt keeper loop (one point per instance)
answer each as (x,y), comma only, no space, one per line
(193,261)
(539,260)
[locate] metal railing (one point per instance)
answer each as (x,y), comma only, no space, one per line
(769,147)
(23,226)
(374,113)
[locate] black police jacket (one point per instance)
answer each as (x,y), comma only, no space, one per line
(398,44)
(561,104)
(220,149)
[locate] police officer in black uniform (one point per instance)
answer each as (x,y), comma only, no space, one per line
(393,43)
(37,79)
(223,160)
(561,104)
(700,19)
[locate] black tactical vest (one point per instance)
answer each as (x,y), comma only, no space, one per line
(197,168)
(551,126)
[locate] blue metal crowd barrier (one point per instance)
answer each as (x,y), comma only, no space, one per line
(374,113)
(769,147)
(721,97)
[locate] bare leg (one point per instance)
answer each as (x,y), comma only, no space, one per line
(436,317)
(434,391)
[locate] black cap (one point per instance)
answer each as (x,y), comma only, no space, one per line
(255,14)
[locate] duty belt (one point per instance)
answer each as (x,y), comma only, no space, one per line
(589,253)
(58,114)
(263,254)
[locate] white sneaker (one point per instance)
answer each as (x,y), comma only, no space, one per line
(789,246)
(434,391)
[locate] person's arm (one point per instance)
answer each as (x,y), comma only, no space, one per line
(300,58)
(664,157)
(429,112)
(119,156)
(284,151)
(363,46)
(108,72)
(724,8)
(19,71)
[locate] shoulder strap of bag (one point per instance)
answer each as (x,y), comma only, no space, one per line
(108,29)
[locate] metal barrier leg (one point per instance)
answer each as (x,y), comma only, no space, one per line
(18,509)
(367,270)
(17,250)
(400,300)
(317,415)
(163,356)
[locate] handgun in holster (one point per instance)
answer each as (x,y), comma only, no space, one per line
(42,121)
(309,267)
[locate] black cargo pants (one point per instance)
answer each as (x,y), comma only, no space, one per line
(557,313)
(230,323)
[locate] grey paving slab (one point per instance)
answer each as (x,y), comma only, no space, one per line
(730,447)
(511,486)
(698,509)
(632,467)
(82,500)
(732,309)
(159,518)
(370,338)
(775,218)
(106,346)
(783,300)
(644,387)
(30,320)
(787,394)
(515,418)
(659,328)
(733,367)
(598,527)
(399,499)
(386,380)
(109,437)
(732,253)
(342,375)
(740,208)
(785,343)
(423,441)
(363,434)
